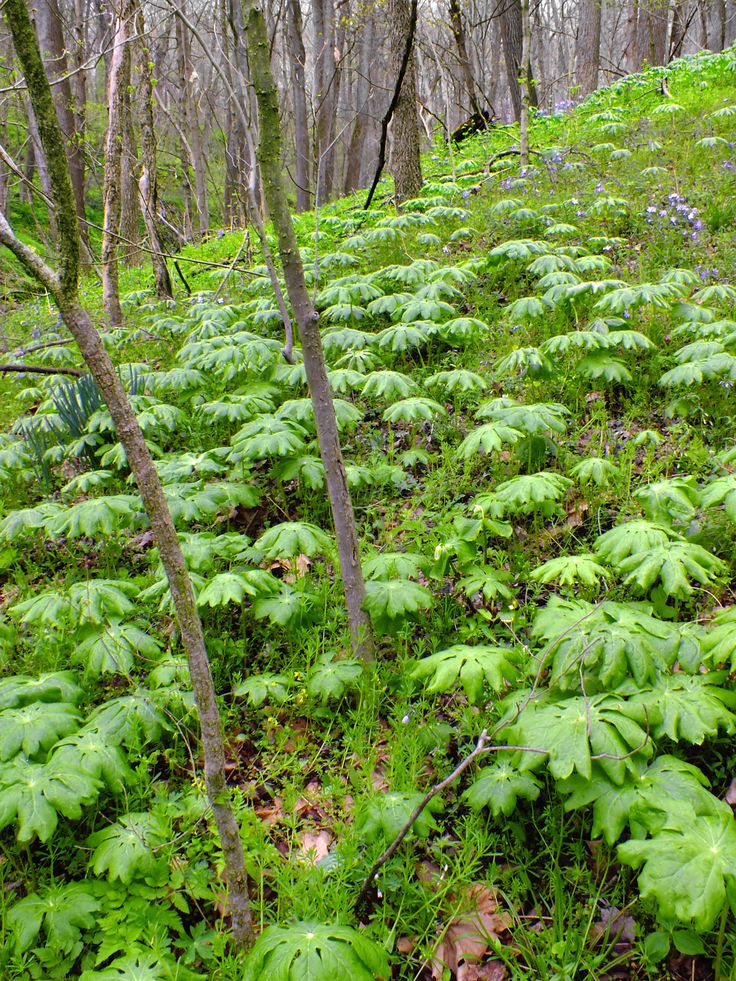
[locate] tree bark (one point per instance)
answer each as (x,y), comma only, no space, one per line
(50,26)
(191,118)
(269,158)
(512,37)
(404,160)
(64,289)
(587,48)
(526,84)
(118,81)
(298,62)
(458,33)
(148,179)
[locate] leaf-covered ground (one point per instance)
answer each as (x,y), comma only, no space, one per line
(533,376)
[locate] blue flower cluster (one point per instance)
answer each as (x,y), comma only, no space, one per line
(675,212)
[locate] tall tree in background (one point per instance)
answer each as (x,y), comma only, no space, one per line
(50,27)
(148,179)
(307,318)
(404,160)
(64,288)
(588,45)
(458,33)
(112,190)
(512,35)
(298,63)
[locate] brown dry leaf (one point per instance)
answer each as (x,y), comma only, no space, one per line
(406,945)
(466,939)
(490,971)
(271,813)
(614,923)
(315,845)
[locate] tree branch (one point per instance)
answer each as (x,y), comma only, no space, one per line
(40,369)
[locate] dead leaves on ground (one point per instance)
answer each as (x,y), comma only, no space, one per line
(474,922)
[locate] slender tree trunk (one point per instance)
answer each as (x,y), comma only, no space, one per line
(512,36)
(298,60)
(50,26)
(356,154)
(526,85)
(458,33)
(112,181)
(148,179)
(191,117)
(64,288)
(587,48)
(269,158)
(405,162)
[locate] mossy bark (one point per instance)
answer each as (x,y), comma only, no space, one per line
(64,289)
(307,319)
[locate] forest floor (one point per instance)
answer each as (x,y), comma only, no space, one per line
(533,373)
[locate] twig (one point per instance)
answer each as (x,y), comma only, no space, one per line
(361,901)
(38,369)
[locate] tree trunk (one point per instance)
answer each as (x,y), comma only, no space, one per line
(325,85)
(148,179)
(50,26)
(269,158)
(526,86)
(112,182)
(356,155)
(458,33)
(298,60)
(64,289)
(191,118)
(405,162)
(512,36)
(587,48)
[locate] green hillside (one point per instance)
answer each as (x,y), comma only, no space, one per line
(533,373)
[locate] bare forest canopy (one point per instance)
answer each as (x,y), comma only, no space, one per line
(335,76)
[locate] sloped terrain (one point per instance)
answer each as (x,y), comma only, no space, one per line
(533,377)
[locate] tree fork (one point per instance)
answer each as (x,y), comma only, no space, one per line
(307,319)
(64,288)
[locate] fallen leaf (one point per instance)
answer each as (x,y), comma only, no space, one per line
(614,923)
(406,945)
(271,813)
(315,845)
(466,939)
(490,971)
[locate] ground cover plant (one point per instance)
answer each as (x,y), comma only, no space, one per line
(533,378)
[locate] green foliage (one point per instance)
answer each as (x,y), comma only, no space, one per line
(316,951)
(390,601)
(329,680)
(476,668)
(383,816)
(127,849)
(529,492)
(499,788)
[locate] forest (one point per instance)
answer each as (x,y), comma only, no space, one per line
(367,490)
